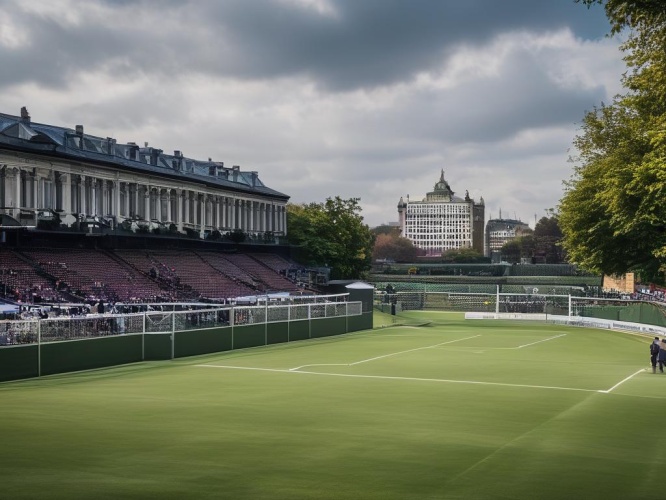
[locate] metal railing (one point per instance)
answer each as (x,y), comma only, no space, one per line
(58,329)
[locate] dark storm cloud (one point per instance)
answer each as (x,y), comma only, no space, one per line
(360,44)
(366,98)
(376,42)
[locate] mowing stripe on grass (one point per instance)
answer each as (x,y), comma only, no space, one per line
(385,355)
(410,379)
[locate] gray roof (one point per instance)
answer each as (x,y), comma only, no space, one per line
(494,224)
(21,134)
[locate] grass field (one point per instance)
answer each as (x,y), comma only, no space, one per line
(452,410)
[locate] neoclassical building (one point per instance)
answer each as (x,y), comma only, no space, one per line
(443,221)
(47,169)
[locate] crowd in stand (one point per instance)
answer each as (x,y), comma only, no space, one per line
(646,293)
(61,276)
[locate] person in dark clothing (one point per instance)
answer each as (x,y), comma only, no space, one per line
(654,352)
(661,357)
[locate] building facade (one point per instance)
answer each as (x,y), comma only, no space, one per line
(47,170)
(443,221)
(501,231)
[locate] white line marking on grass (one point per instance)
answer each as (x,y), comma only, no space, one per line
(411,350)
(385,355)
(517,347)
(416,379)
(405,336)
(539,341)
(622,381)
(441,312)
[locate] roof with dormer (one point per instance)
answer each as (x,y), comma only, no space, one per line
(19,133)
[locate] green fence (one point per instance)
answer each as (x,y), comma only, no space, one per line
(647,313)
(46,347)
(626,310)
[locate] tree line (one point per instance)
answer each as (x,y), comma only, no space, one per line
(613,212)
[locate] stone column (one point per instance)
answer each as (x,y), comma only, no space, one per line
(262,216)
(17,193)
(36,191)
(136,199)
(284,220)
(278,218)
(66,186)
(194,207)
(168,195)
(146,204)
(116,193)
(82,189)
(93,197)
(179,215)
(202,211)
(186,196)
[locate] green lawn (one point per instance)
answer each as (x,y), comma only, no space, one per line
(452,410)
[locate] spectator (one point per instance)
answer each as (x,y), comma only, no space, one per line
(654,352)
(661,357)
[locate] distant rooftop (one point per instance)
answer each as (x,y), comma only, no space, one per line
(22,134)
(505,222)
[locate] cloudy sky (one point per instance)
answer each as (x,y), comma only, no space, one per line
(357,98)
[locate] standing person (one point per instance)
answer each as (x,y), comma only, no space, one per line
(654,352)
(661,357)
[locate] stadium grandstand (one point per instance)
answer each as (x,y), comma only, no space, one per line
(85,219)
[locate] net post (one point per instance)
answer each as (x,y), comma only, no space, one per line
(143,337)
(173,333)
(39,348)
(569,305)
(232,323)
(289,306)
(347,317)
(497,300)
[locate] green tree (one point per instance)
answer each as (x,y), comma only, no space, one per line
(332,234)
(463,256)
(547,240)
(612,213)
(386,229)
(394,247)
(511,251)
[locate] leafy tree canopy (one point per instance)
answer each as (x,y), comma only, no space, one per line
(463,256)
(547,240)
(386,229)
(332,234)
(613,214)
(512,251)
(394,247)
(543,245)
